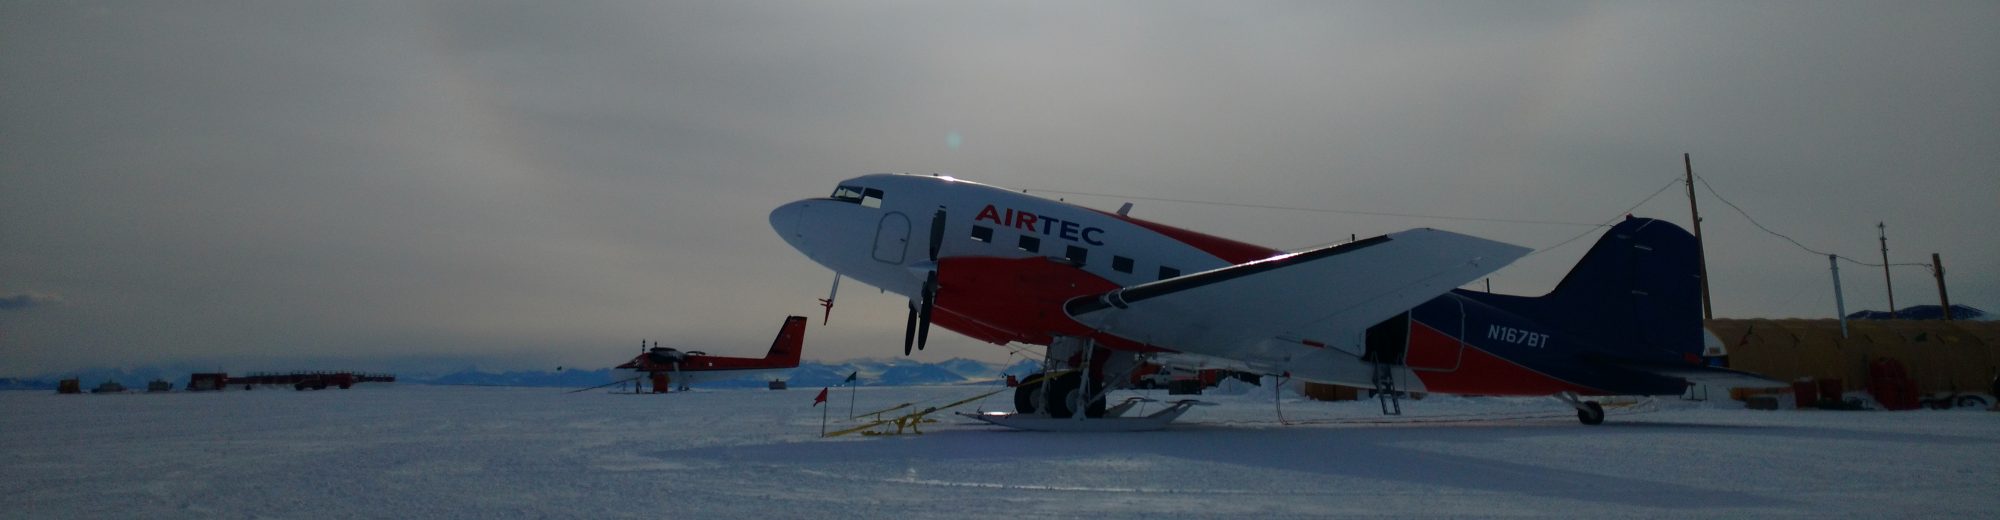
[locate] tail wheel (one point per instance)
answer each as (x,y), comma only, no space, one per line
(1026,395)
(1591,414)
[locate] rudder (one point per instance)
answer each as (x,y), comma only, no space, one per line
(1636,292)
(790,342)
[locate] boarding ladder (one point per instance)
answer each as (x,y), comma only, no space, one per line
(1385,389)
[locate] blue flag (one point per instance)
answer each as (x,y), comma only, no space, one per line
(851,377)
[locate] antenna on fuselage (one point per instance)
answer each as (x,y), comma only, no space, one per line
(1127,208)
(828,302)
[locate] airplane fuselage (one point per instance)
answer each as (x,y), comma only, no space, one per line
(1008,262)
(880,239)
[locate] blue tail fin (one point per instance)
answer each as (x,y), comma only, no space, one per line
(1637,293)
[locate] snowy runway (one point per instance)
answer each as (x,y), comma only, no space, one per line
(417,451)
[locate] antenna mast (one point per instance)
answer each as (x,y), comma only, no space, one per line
(1707,310)
(1882,232)
(1944,299)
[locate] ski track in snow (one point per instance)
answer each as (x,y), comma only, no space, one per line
(464,452)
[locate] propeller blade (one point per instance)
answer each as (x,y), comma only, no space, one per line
(917,329)
(910,329)
(937,233)
(828,302)
(928,305)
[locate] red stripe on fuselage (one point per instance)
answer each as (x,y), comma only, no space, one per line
(1019,299)
(1021,296)
(951,321)
(1228,250)
(1430,348)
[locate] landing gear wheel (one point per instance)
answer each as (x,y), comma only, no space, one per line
(1026,395)
(1067,391)
(1591,414)
(1971,401)
(1056,396)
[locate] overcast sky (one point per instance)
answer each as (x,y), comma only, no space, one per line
(263,185)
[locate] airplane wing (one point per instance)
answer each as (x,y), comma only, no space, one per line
(1314,297)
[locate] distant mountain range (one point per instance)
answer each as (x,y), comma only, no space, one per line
(1924,312)
(870,372)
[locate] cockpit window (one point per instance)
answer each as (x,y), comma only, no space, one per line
(867,197)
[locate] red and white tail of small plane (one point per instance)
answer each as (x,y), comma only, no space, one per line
(791,341)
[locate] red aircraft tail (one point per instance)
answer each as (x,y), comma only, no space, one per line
(791,341)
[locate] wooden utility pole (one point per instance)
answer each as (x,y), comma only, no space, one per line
(1707,309)
(1882,231)
(1839,303)
(1937,269)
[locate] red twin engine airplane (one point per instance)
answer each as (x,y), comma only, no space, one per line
(689,367)
(1108,293)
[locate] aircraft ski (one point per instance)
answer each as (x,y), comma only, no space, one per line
(1113,420)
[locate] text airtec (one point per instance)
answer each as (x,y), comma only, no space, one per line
(1517,336)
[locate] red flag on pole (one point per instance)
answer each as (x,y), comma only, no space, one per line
(821,398)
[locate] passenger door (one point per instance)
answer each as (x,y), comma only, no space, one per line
(892,238)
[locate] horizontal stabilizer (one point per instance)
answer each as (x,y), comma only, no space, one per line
(1707,375)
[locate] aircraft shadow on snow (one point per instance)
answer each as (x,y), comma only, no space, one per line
(1371,453)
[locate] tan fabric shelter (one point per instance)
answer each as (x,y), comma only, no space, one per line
(1942,356)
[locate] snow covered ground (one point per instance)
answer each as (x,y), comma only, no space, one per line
(424,451)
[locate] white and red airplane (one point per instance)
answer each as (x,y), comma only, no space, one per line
(1107,293)
(688,367)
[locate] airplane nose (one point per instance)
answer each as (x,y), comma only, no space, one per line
(785,220)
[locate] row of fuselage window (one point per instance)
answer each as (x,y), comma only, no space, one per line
(1073,253)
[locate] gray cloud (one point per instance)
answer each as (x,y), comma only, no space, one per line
(25,301)
(541,183)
